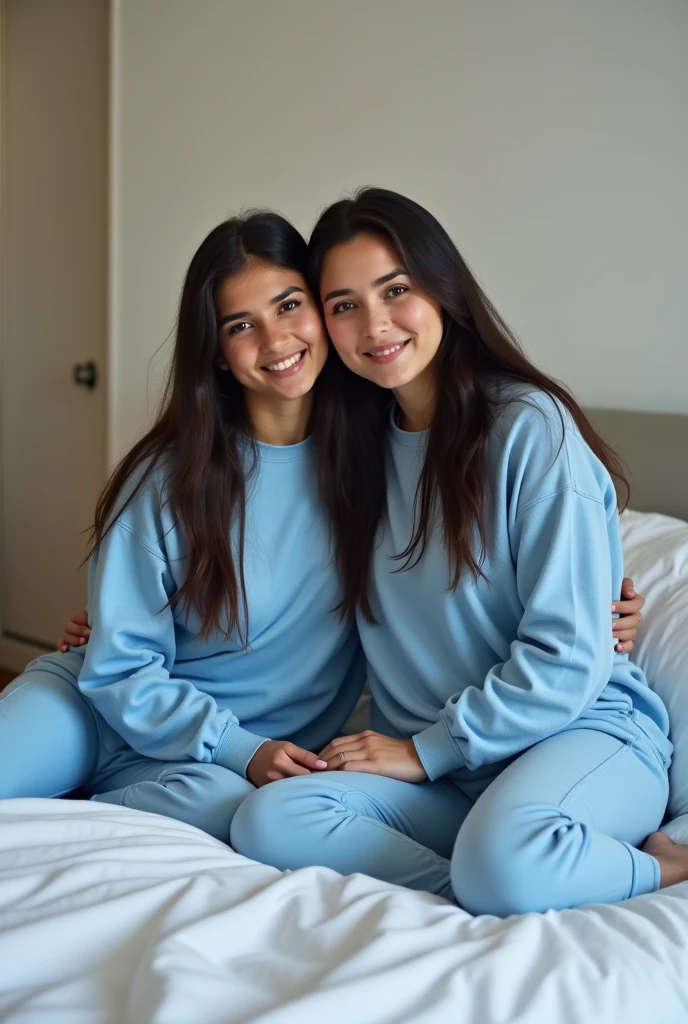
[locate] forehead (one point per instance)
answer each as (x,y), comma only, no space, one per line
(361,259)
(255,286)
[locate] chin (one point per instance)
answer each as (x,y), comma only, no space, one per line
(297,390)
(390,379)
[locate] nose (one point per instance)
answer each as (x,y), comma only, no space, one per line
(377,322)
(276,338)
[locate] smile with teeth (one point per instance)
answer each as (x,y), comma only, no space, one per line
(285,364)
(385,352)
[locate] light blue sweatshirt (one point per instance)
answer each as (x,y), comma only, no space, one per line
(479,675)
(175,697)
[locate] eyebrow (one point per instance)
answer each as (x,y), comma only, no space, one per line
(273,302)
(338,292)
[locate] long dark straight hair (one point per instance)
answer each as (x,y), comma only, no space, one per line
(477,349)
(196,433)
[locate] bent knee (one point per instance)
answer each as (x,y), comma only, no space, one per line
(512,866)
(273,823)
(206,796)
(54,666)
(48,735)
(260,822)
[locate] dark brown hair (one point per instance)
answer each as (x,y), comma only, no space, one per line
(197,431)
(477,349)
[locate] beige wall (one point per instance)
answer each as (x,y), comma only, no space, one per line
(548,136)
(53,308)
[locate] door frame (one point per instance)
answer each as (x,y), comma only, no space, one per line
(16,651)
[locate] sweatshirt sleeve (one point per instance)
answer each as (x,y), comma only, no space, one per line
(127,671)
(561,658)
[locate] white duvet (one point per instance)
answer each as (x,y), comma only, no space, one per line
(111,915)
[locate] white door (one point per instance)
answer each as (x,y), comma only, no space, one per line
(53,179)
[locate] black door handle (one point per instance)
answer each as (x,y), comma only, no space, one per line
(85,374)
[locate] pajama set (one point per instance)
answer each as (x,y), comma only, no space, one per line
(161,719)
(546,753)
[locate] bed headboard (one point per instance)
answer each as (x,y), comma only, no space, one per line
(654,447)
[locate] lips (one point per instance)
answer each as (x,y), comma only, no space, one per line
(387,353)
(281,366)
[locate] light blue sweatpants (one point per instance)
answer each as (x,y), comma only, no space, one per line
(558,827)
(53,742)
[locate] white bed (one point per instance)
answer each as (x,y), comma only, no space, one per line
(110,916)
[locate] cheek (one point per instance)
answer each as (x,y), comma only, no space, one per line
(423,319)
(311,329)
(344,336)
(240,358)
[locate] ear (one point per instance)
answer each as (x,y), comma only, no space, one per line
(221,362)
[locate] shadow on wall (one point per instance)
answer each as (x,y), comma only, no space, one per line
(6,676)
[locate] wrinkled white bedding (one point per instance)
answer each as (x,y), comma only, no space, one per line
(110,916)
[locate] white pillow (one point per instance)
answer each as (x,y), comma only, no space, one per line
(656,557)
(677,830)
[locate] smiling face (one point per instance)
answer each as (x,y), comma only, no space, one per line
(383,325)
(270,333)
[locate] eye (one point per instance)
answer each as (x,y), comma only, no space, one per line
(290,304)
(396,290)
(239,328)
(342,307)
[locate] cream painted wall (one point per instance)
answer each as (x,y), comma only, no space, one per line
(549,136)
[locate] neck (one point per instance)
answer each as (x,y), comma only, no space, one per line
(416,401)
(279,422)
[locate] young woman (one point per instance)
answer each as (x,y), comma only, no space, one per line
(216,662)
(516,760)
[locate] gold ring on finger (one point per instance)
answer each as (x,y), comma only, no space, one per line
(342,757)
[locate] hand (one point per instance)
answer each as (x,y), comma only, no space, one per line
(277,759)
(376,754)
(76,631)
(624,628)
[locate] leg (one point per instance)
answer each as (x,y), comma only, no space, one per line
(558,828)
(48,732)
(204,795)
(397,831)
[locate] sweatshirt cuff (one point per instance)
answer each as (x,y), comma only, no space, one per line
(437,751)
(236,748)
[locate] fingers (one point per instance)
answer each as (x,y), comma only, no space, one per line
(627,624)
(625,634)
(340,758)
(70,640)
(277,759)
(287,761)
(630,606)
(625,628)
(343,742)
(329,750)
(76,632)
(287,770)
(369,767)
(629,593)
(304,757)
(74,639)
(289,767)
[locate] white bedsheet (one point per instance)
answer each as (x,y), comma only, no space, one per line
(110,915)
